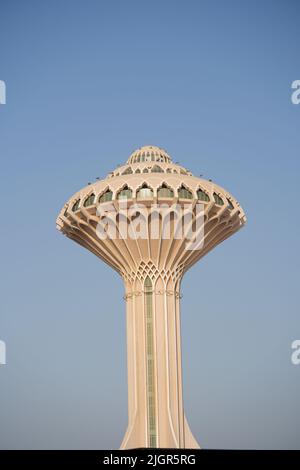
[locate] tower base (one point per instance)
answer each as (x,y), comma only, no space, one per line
(134,439)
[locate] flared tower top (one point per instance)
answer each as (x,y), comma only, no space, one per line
(149,153)
(149,178)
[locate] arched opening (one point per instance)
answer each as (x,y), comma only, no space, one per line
(157,169)
(125,193)
(218,199)
(145,192)
(202,196)
(76,205)
(165,191)
(105,197)
(184,193)
(89,200)
(230,205)
(128,171)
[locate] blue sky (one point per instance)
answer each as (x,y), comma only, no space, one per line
(87,83)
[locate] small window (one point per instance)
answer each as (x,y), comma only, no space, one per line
(138,170)
(184,193)
(145,170)
(144,193)
(105,197)
(125,193)
(169,170)
(89,201)
(218,199)
(128,171)
(230,205)
(156,169)
(183,172)
(164,191)
(202,196)
(76,206)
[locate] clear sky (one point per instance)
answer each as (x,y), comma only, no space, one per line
(87,83)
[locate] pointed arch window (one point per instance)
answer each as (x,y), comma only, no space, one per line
(218,199)
(76,205)
(144,193)
(128,171)
(184,193)
(156,169)
(105,197)
(202,196)
(230,205)
(125,193)
(165,191)
(89,200)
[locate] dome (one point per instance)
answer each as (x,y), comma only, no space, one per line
(149,153)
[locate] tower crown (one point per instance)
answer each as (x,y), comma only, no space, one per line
(149,178)
(149,153)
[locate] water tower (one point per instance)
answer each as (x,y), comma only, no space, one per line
(133,220)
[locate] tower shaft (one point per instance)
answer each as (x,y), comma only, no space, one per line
(155,403)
